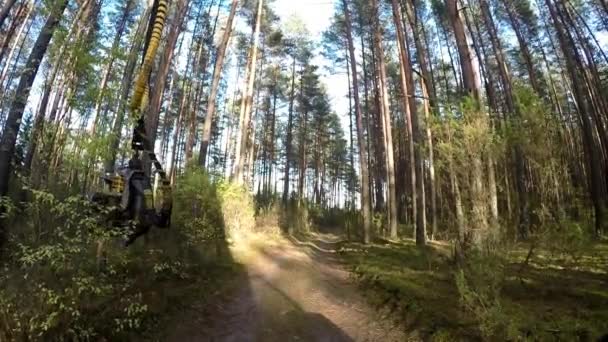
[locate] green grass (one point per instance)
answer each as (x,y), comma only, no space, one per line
(548,299)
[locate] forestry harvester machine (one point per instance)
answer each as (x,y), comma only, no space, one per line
(134,201)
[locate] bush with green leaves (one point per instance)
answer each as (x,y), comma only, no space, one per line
(51,287)
(238,209)
(568,241)
(197,211)
(479,282)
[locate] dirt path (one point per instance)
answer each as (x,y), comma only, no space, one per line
(293,291)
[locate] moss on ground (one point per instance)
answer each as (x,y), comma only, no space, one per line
(547,299)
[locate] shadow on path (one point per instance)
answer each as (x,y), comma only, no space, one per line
(285,294)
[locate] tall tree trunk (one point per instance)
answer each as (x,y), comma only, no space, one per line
(429,94)
(176,137)
(246,103)
(122,24)
(512,107)
(376,135)
(217,73)
(273,117)
(471,83)
(19,18)
(594,163)
(18,42)
(470,76)
(365,205)
(289,133)
(352,196)
(524,46)
(195,90)
(407,85)
(302,141)
(407,110)
(431,161)
(13,122)
(419,35)
(388,130)
(48,87)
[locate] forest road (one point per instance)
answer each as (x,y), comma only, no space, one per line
(293,291)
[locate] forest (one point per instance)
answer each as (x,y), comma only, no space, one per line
(315,170)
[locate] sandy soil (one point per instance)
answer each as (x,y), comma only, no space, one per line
(293,291)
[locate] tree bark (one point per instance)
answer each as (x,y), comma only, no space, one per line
(365,205)
(594,163)
(5,11)
(388,130)
(470,76)
(289,133)
(13,122)
(48,87)
(512,107)
(409,103)
(20,15)
(247,101)
(429,94)
(471,83)
(217,73)
(18,42)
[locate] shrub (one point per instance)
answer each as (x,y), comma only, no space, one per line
(51,285)
(479,283)
(238,208)
(568,241)
(197,210)
(269,220)
(51,288)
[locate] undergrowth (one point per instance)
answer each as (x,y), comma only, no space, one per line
(489,297)
(55,285)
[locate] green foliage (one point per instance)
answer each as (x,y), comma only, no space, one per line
(479,285)
(380,223)
(66,275)
(265,201)
(51,288)
(465,143)
(197,209)
(238,208)
(486,299)
(537,133)
(569,241)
